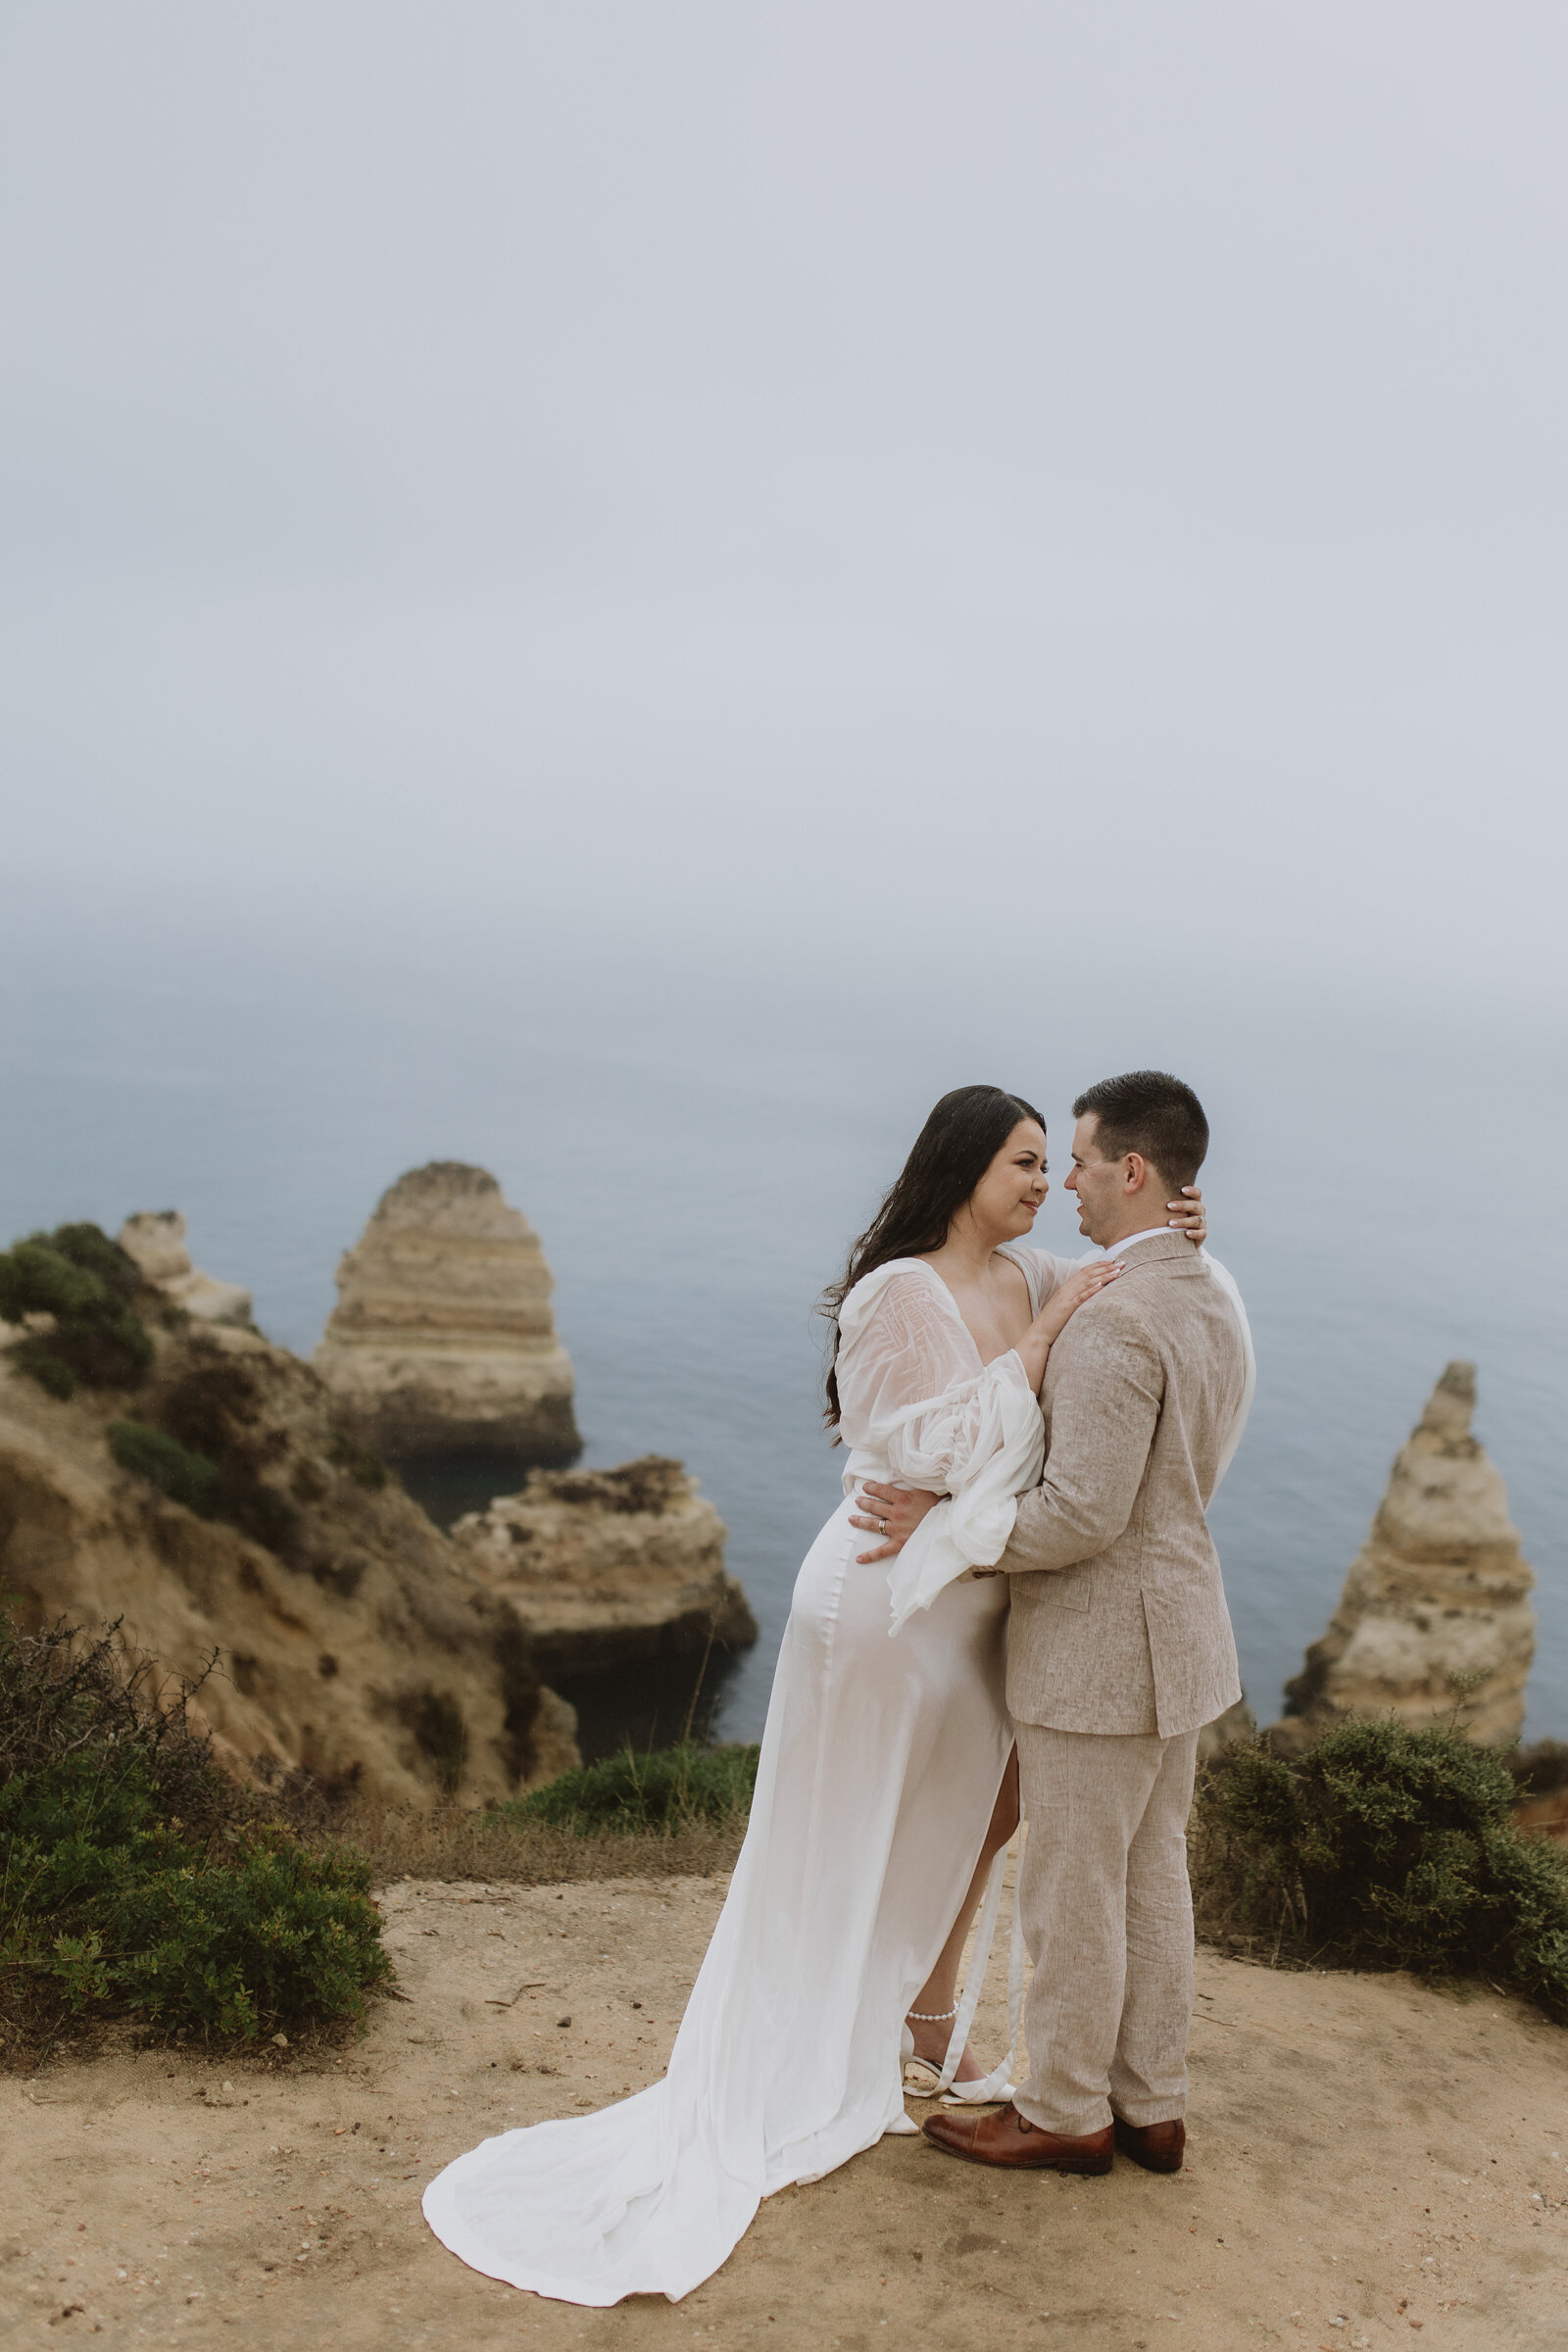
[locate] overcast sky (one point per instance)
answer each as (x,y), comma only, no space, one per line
(761,470)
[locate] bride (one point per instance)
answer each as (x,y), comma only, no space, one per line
(886,1790)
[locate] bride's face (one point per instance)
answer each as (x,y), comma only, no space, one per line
(1007,1199)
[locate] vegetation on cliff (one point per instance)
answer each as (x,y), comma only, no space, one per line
(221,1508)
(662,1789)
(1383,1849)
(76,1286)
(136,1879)
(226,1488)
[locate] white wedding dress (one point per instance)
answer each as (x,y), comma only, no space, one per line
(881,1762)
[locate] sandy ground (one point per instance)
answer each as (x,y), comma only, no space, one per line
(1367,2159)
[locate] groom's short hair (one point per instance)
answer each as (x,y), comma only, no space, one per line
(1149,1112)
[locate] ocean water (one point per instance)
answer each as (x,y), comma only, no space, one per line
(698,1144)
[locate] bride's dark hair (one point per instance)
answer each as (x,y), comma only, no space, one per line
(951,1152)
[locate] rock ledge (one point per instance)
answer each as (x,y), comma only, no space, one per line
(608,1567)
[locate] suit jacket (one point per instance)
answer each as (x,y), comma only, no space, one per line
(1119,1621)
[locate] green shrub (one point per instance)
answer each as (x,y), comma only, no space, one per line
(668,1788)
(46,1369)
(214,1490)
(85,1282)
(187,1478)
(213,1408)
(90,1248)
(139,1880)
(277,1933)
(212,1405)
(1382,1848)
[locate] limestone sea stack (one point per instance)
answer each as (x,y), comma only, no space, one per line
(154,1238)
(1435,1620)
(606,1568)
(442,1339)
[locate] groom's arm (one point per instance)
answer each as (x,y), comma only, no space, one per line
(1104,1404)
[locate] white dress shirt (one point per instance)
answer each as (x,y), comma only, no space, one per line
(1130,1240)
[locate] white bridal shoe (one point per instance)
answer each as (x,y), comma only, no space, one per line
(922,2079)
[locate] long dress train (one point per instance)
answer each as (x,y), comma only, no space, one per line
(880,1764)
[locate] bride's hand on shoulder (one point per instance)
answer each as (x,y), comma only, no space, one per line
(1189,1215)
(1059,1310)
(1070,1296)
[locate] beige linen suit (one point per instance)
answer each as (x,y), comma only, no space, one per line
(1119,1650)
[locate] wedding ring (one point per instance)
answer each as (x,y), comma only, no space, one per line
(881,1526)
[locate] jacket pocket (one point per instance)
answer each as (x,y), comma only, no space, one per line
(1069,1587)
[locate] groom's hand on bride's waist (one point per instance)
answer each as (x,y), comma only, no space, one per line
(892,1512)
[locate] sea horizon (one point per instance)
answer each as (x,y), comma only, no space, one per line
(697,1150)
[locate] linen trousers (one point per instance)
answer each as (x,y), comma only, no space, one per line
(1107,1918)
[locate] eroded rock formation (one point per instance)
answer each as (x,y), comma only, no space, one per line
(606,1567)
(155,1239)
(442,1339)
(1435,1618)
(351,1641)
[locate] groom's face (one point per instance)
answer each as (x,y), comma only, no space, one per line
(1099,1183)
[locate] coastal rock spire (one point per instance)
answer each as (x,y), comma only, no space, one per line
(155,1238)
(443,1340)
(1435,1619)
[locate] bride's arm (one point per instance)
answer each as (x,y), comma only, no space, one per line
(936,1442)
(895,1513)
(909,1390)
(907,1385)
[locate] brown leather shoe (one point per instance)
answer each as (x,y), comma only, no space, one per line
(1002,2136)
(1158,2147)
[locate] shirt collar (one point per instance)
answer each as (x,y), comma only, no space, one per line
(1130,1240)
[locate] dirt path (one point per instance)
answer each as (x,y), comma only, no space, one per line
(1362,2152)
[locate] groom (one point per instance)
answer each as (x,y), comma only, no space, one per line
(1119,1650)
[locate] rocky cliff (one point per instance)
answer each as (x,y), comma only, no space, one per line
(1235,1727)
(154,1240)
(1435,1615)
(608,1567)
(442,1339)
(351,1640)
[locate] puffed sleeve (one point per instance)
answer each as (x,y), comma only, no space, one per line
(908,1384)
(907,1378)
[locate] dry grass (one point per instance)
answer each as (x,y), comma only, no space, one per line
(493,1845)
